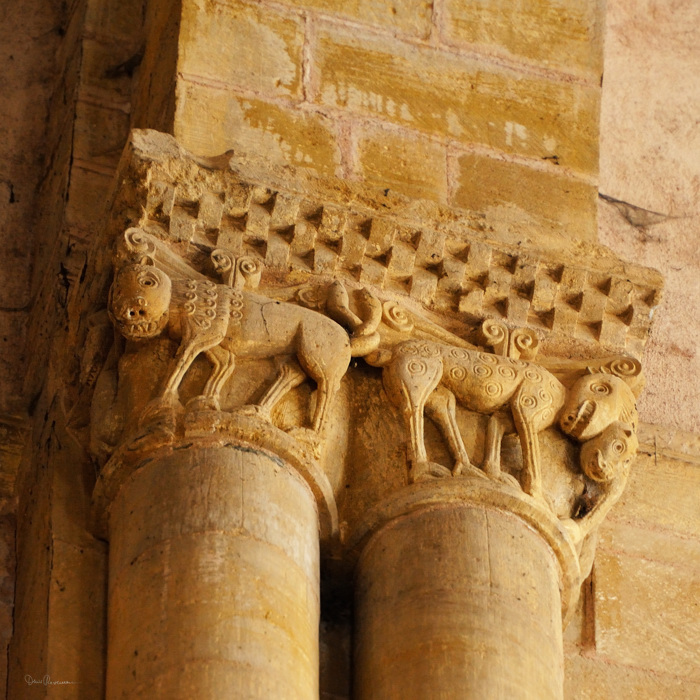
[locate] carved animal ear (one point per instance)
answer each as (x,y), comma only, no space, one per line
(628,430)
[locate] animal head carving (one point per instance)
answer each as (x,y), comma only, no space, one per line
(594,402)
(138,301)
(603,457)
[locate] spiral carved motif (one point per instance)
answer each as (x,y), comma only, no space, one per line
(525,342)
(139,242)
(421,349)
(222,259)
(482,371)
(494,332)
(417,368)
(458,373)
(493,389)
(507,372)
(528,401)
(533,375)
(625,367)
(396,317)
(236,313)
(488,358)
(248,265)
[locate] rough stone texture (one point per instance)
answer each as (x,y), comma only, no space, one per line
(281,134)
(649,167)
(466,619)
(243,29)
(466,100)
(649,162)
(566,36)
(411,166)
(216,588)
(29,41)
(638,630)
(513,192)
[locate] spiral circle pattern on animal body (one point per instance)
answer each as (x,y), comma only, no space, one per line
(458,373)
(507,372)
(528,401)
(493,389)
(417,368)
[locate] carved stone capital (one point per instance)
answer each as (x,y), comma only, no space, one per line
(389,352)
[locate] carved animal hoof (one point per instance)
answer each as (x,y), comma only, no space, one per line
(308,436)
(505,478)
(423,471)
(255,410)
(203,403)
(573,529)
(160,411)
(466,469)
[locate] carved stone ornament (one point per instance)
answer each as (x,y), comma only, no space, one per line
(261,317)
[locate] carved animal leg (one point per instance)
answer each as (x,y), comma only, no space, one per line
(441,409)
(525,405)
(325,361)
(290,375)
(184,358)
(223,362)
(410,381)
(498,425)
(163,406)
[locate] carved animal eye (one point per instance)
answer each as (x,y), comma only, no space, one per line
(148,280)
(618,447)
(600,388)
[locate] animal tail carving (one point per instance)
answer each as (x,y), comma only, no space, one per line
(364,338)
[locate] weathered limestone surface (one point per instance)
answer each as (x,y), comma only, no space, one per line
(239,301)
(213,579)
(650,169)
(325,89)
(635,632)
(457,600)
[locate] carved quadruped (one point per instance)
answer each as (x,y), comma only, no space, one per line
(383,359)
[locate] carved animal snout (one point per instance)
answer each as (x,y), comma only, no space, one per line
(575,422)
(133,310)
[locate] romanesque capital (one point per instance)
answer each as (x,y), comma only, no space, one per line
(392,354)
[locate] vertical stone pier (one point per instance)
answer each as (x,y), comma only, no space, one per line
(213,574)
(458,596)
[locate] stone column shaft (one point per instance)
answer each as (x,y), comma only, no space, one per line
(214,579)
(458,600)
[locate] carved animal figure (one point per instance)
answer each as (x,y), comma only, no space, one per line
(605,460)
(421,375)
(604,456)
(594,402)
(225,322)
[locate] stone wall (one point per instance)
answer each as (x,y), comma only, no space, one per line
(442,101)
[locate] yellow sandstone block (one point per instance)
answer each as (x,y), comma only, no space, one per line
(403,162)
(246,46)
(459,98)
(410,17)
(211,121)
(592,679)
(513,192)
(565,35)
(646,613)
